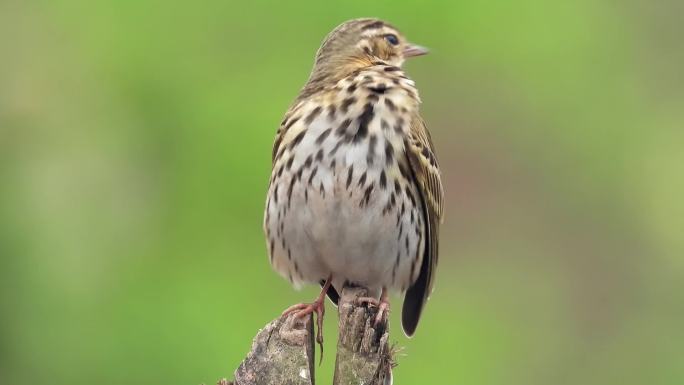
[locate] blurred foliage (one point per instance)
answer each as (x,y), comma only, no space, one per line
(135,152)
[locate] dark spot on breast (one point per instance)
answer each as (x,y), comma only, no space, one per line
(297,139)
(319,155)
(387,208)
(383,123)
(313,174)
(332,109)
(364,119)
(334,149)
(389,153)
(383,179)
(344,107)
(323,135)
(362,179)
(390,104)
(397,187)
(351,88)
(288,165)
(289,191)
(367,195)
(372,141)
(314,113)
(392,69)
(342,129)
(372,98)
(350,174)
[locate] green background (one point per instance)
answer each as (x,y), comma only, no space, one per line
(135,142)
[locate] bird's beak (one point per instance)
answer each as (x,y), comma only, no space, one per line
(414,50)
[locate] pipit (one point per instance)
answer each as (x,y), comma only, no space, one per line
(355,195)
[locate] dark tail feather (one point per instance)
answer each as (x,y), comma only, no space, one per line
(332,293)
(415,299)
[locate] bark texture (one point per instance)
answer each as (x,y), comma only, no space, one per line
(363,351)
(283,352)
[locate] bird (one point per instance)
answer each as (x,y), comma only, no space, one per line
(355,194)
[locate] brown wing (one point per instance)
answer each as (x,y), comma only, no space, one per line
(287,122)
(420,152)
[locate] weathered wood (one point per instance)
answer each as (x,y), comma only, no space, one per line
(282,354)
(363,352)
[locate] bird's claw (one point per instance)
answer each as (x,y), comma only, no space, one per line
(382,306)
(302,310)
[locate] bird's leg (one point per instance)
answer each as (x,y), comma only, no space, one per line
(382,305)
(302,310)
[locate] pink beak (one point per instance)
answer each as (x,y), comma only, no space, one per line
(412,50)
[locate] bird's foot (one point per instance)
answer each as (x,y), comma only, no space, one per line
(302,310)
(382,304)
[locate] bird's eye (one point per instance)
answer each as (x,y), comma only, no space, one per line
(392,39)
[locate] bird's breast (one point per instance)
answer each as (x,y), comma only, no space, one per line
(342,199)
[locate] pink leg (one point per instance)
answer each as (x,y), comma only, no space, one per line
(302,310)
(382,305)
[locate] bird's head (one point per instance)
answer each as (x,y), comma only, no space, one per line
(362,42)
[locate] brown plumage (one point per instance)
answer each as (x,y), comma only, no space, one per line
(355,194)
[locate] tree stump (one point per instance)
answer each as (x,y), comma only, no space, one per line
(283,352)
(363,352)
